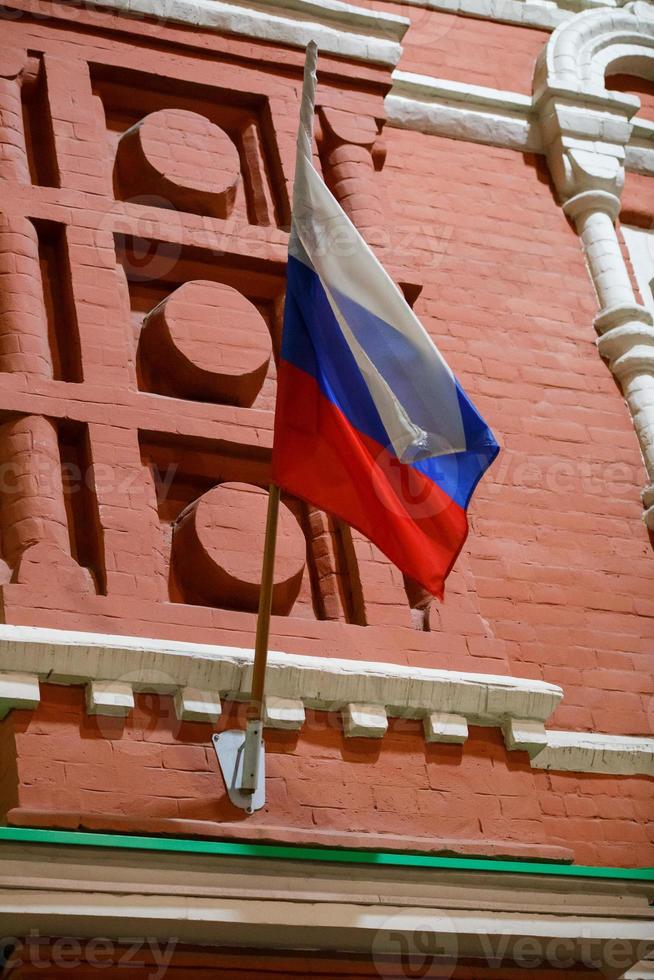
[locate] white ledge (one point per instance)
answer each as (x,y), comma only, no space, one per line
(18,691)
(69,657)
(112,698)
(194,705)
(198,675)
(544,14)
(478,114)
(337,28)
(619,755)
(364,721)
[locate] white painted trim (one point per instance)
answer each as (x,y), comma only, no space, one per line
(364,721)
(489,116)
(460,111)
(543,14)
(450,729)
(109,698)
(365,692)
(338,28)
(582,51)
(18,691)
(593,752)
(640,245)
(641,971)
(285,714)
(325,683)
(586,132)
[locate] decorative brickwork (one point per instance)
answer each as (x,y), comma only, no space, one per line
(146,170)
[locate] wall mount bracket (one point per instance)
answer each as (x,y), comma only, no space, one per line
(242,760)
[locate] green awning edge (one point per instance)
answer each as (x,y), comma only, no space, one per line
(335,855)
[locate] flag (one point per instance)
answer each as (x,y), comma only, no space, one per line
(370,425)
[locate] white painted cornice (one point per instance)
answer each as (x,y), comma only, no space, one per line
(593,752)
(324,683)
(543,14)
(465,112)
(338,28)
(477,114)
(365,693)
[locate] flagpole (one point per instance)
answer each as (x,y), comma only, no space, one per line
(255,709)
(253,745)
(241,754)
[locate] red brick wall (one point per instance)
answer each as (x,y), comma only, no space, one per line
(152,774)
(556,578)
(467,49)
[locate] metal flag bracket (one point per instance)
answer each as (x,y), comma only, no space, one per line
(242,760)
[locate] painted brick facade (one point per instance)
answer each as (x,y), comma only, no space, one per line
(146,170)
(555,582)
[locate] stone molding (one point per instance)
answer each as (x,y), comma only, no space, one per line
(219,900)
(341,28)
(594,752)
(525,13)
(18,691)
(322,683)
(338,28)
(366,694)
(489,116)
(461,111)
(581,751)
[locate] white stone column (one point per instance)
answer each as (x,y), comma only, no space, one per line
(585,130)
(625,327)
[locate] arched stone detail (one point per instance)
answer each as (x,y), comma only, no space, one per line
(586,129)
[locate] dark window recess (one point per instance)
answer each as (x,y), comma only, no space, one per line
(63,331)
(84,528)
(37,124)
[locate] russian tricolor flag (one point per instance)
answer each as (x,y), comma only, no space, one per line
(371,425)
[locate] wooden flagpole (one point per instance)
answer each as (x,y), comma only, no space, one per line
(255,709)
(253,746)
(243,782)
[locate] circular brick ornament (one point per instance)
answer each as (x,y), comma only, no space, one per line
(206,342)
(218,548)
(182,157)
